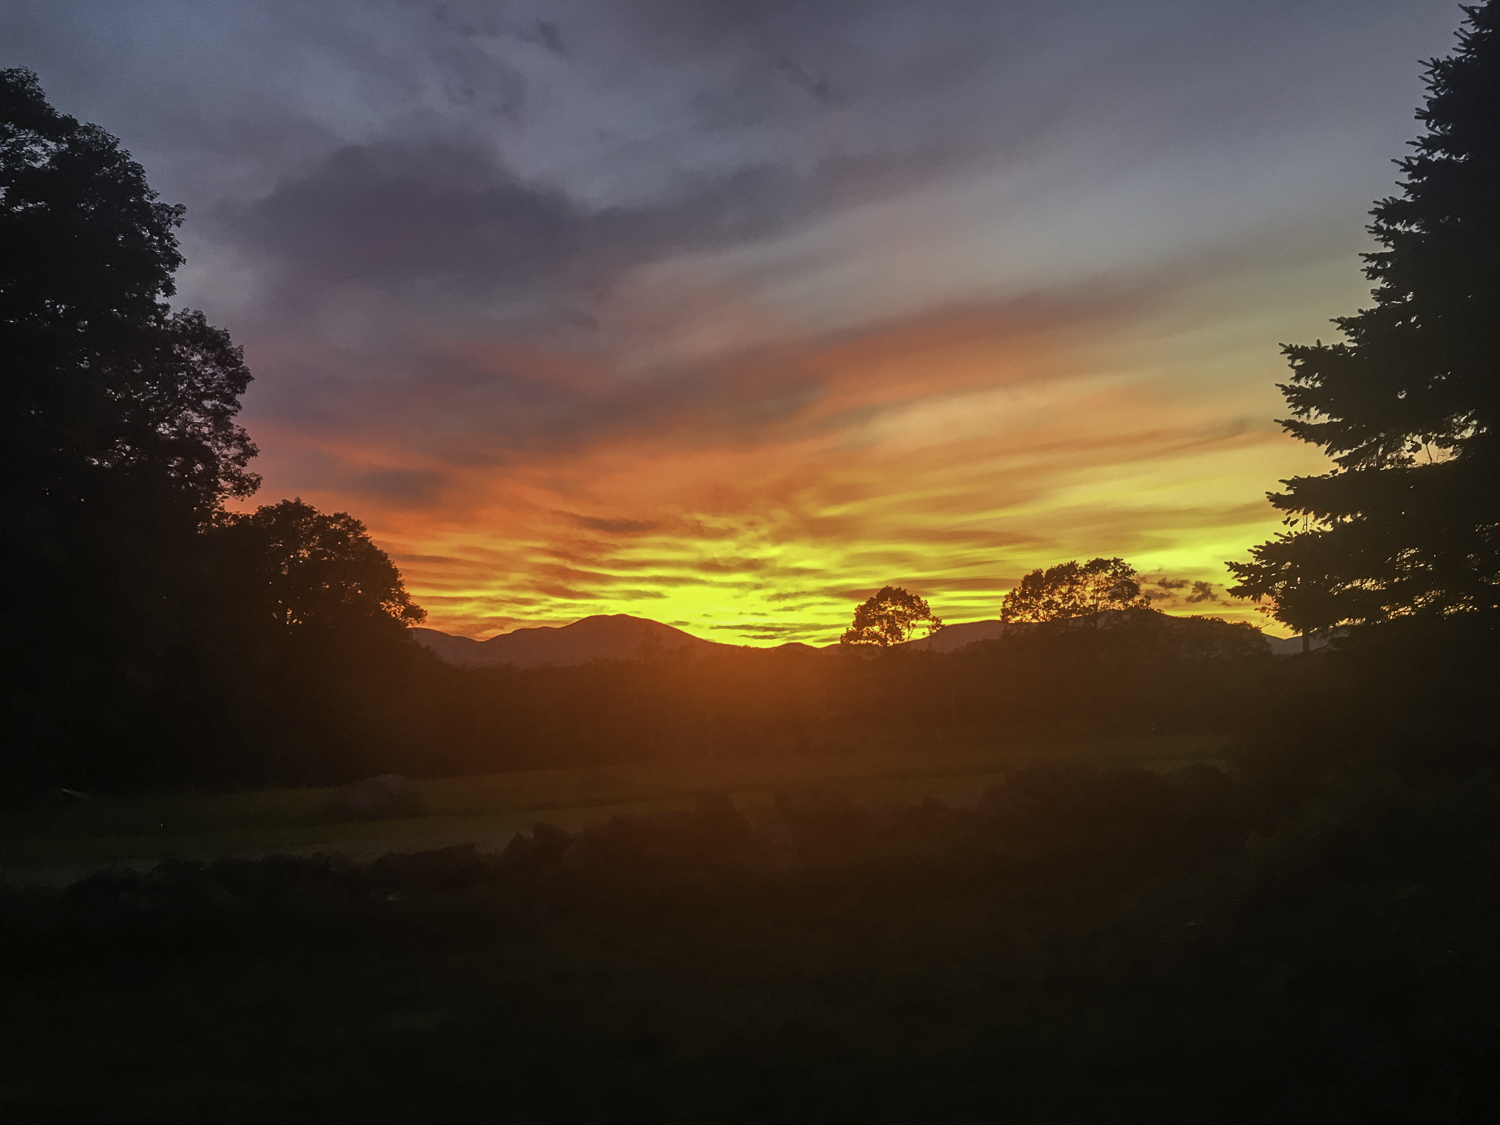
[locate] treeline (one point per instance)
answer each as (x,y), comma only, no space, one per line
(1142,673)
(332,701)
(244,699)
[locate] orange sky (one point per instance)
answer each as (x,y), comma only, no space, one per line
(729,314)
(948,451)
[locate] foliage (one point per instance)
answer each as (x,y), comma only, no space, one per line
(301,567)
(889,618)
(1408,520)
(151,616)
(1070,590)
(294,648)
(101,375)
(117,435)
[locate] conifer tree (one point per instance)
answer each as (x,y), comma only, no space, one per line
(1408,520)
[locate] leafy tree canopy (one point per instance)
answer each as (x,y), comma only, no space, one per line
(1408,520)
(1073,590)
(101,376)
(118,441)
(87,242)
(307,568)
(284,630)
(889,618)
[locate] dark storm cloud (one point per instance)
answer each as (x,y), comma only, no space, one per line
(451,221)
(435,208)
(506,161)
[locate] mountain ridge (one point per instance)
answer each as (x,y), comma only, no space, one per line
(620,636)
(615,636)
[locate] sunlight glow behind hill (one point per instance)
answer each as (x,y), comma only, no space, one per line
(726,315)
(951,454)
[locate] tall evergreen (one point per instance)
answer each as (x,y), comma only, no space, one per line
(1408,520)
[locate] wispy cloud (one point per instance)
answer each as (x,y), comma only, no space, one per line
(730,311)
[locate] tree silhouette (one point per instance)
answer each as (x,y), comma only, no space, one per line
(889,618)
(301,650)
(1408,521)
(1071,590)
(298,567)
(118,443)
(151,615)
(102,379)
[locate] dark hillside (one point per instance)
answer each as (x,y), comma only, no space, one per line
(1141,673)
(600,637)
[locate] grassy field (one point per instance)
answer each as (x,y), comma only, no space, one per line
(69,836)
(1080,945)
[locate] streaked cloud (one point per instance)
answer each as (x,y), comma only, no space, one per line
(728,312)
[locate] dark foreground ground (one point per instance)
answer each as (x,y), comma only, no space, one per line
(1085,945)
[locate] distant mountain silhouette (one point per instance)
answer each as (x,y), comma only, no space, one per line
(601,637)
(951,637)
(622,637)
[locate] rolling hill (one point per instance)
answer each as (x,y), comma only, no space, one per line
(952,637)
(615,636)
(622,637)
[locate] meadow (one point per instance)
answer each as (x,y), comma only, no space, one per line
(66,837)
(1302,939)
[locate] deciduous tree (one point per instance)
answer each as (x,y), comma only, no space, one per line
(118,442)
(102,379)
(295,566)
(889,618)
(1073,590)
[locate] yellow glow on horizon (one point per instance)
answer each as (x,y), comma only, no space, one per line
(950,454)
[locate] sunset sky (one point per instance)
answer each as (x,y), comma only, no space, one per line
(728,312)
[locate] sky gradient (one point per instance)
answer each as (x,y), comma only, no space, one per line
(728,312)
